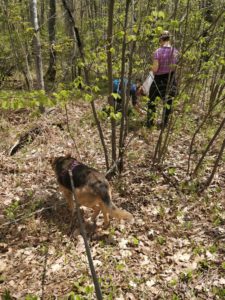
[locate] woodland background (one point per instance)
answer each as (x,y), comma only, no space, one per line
(57,62)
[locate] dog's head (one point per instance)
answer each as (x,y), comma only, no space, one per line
(56,161)
(53,161)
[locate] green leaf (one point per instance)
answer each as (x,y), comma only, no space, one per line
(161,240)
(95,89)
(135,28)
(174,23)
(120,267)
(171,171)
(30,297)
(131,37)
(158,29)
(135,241)
(116,96)
(112,50)
(88,97)
(116,116)
(161,14)
(120,34)
(5,104)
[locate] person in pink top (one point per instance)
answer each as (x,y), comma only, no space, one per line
(164,85)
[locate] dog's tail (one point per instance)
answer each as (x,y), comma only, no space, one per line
(114,211)
(118,213)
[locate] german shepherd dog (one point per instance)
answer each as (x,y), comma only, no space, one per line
(92,189)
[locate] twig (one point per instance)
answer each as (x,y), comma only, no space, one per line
(84,235)
(69,131)
(43,279)
(27,216)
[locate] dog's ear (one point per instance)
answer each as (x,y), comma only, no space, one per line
(68,155)
(51,160)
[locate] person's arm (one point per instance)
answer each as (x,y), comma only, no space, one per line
(155,66)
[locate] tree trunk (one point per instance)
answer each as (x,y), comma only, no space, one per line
(123,90)
(110,76)
(37,46)
(86,74)
(15,44)
(208,147)
(209,180)
(51,72)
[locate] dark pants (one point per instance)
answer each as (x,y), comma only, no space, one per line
(164,86)
(118,101)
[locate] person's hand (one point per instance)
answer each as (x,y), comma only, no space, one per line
(140,91)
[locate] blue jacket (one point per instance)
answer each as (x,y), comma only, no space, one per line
(117,89)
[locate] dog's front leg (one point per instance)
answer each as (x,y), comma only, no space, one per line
(68,195)
(96,212)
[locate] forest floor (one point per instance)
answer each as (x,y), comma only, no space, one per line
(173,250)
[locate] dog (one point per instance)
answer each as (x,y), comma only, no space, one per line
(92,189)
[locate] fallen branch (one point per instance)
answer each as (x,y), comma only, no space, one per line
(25,217)
(28,137)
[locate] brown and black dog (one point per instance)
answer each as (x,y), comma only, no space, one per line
(92,189)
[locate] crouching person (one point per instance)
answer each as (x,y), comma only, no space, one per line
(134,90)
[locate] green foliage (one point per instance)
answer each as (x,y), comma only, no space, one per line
(72,296)
(108,287)
(12,210)
(120,267)
(80,289)
(172,171)
(161,240)
(6,295)
(203,265)
(173,282)
(219,292)
(31,297)
(135,241)
(17,100)
(175,297)
(186,277)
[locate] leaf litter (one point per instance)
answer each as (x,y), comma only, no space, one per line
(174,248)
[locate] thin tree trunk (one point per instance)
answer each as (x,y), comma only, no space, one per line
(51,72)
(37,46)
(110,76)
(42,13)
(207,116)
(208,147)
(87,80)
(14,45)
(209,180)
(77,38)
(123,91)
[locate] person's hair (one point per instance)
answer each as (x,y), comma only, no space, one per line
(165,36)
(138,80)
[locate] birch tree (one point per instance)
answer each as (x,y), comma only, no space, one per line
(37,46)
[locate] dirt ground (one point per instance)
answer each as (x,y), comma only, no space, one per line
(174,249)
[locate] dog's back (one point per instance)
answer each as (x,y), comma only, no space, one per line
(83,175)
(92,188)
